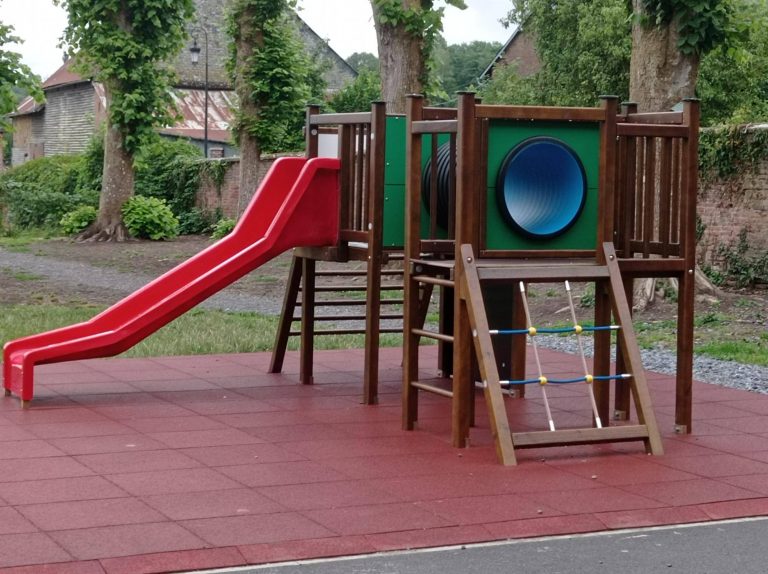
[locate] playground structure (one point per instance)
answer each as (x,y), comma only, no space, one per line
(623,208)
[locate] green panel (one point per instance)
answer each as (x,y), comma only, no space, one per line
(394,215)
(394,171)
(584,139)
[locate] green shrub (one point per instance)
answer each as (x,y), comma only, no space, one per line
(39,192)
(169,170)
(78,219)
(223,227)
(149,218)
(195,222)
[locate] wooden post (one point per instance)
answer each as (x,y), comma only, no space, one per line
(466,233)
(375,218)
(414,112)
(687,286)
(307,351)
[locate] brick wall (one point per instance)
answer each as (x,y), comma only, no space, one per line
(229,199)
(725,209)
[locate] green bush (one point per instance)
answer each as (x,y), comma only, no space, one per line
(169,170)
(39,192)
(195,222)
(223,227)
(78,219)
(149,218)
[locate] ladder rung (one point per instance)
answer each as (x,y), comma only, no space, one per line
(432,389)
(338,288)
(433,335)
(433,280)
(543,274)
(580,436)
(348,332)
(354,272)
(394,317)
(345,302)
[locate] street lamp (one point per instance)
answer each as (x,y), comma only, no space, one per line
(194,53)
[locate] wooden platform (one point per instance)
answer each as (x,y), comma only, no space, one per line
(182,463)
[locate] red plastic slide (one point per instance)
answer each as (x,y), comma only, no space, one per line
(297,204)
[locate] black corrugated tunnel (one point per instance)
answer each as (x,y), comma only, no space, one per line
(443,162)
(541,187)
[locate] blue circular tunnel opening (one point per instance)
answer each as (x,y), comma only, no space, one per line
(541,187)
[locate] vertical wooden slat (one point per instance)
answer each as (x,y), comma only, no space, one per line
(311,135)
(376,142)
(346,154)
(629,188)
(649,195)
(452,189)
(686,295)
(674,232)
(413,149)
(607,192)
(665,195)
(307,352)
(639,187)
(433,187)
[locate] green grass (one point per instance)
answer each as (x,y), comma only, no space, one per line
(20,240)
(21,275)
(198,332)
(752,351)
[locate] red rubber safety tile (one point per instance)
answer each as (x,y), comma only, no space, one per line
(337,494)
(278,434)
(716,465)
(734,443)
(736,508)
(92,567)
(137,461)
(487,509)
(306,549)
(38,416)
(377,518)
(174,424)
(107,444)
(90,514)
(256,529)
(126,540)
(186,560)
(263,419)
(651,517)
(402,466)
(749,424)
(550,526)
(617,471)
(59,490)
(204,438)
(11,522)
(32,548)
(18,449)
(76,429)
(428,538)
(14,433)
(149,408)
(411,444)
(758,404)
(688,492)
(603,499)
(213,504)
(281,473)
(182,384)
(41,468)
(172,481)
(241,454)
(757,483)
(137,378)
(230,406)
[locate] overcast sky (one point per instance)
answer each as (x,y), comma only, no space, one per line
(347,24)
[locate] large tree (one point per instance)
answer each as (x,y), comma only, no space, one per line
(406,31)
(270,76)
(124,44)
(668,40)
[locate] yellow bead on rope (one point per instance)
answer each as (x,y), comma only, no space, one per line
(532,331)
(578,329)
(542,381)
(589,379)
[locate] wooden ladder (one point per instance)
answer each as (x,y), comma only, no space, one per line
(471,274)
(310,288)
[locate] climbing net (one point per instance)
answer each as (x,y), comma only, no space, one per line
(542,380)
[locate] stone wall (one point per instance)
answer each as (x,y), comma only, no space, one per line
(725,208)
(228,198)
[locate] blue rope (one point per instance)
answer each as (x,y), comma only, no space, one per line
(566,381)
(553,330)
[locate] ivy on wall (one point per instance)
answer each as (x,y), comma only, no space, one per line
(729,153)
(701,24)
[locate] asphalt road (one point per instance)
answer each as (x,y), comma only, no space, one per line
(739,547)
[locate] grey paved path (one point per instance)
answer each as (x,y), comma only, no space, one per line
(738,547)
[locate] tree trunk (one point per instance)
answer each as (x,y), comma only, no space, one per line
(660,76)
(116,187)
(248,38)
(401,60)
